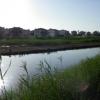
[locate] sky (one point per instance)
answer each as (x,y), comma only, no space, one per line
(58,14)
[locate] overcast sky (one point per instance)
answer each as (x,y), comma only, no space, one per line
(59,14)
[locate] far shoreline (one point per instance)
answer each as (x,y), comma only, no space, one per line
(29,49)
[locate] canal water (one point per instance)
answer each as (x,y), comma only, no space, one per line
(60,59)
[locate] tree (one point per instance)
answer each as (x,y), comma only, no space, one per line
(2,32)
(88,34)
(67,33)
(96,33)
(81,33)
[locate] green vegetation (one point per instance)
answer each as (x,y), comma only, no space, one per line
(79,82)
(50,41)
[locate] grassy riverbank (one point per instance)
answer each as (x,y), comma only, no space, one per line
(10,46)
(80,82)
(49,41)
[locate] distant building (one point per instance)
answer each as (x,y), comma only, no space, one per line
(53,32)
(26,33)
(62,32)
(40,32)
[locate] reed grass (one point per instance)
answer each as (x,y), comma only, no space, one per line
(79,82)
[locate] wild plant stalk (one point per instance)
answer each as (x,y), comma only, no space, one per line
(4,91)
(61,60)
